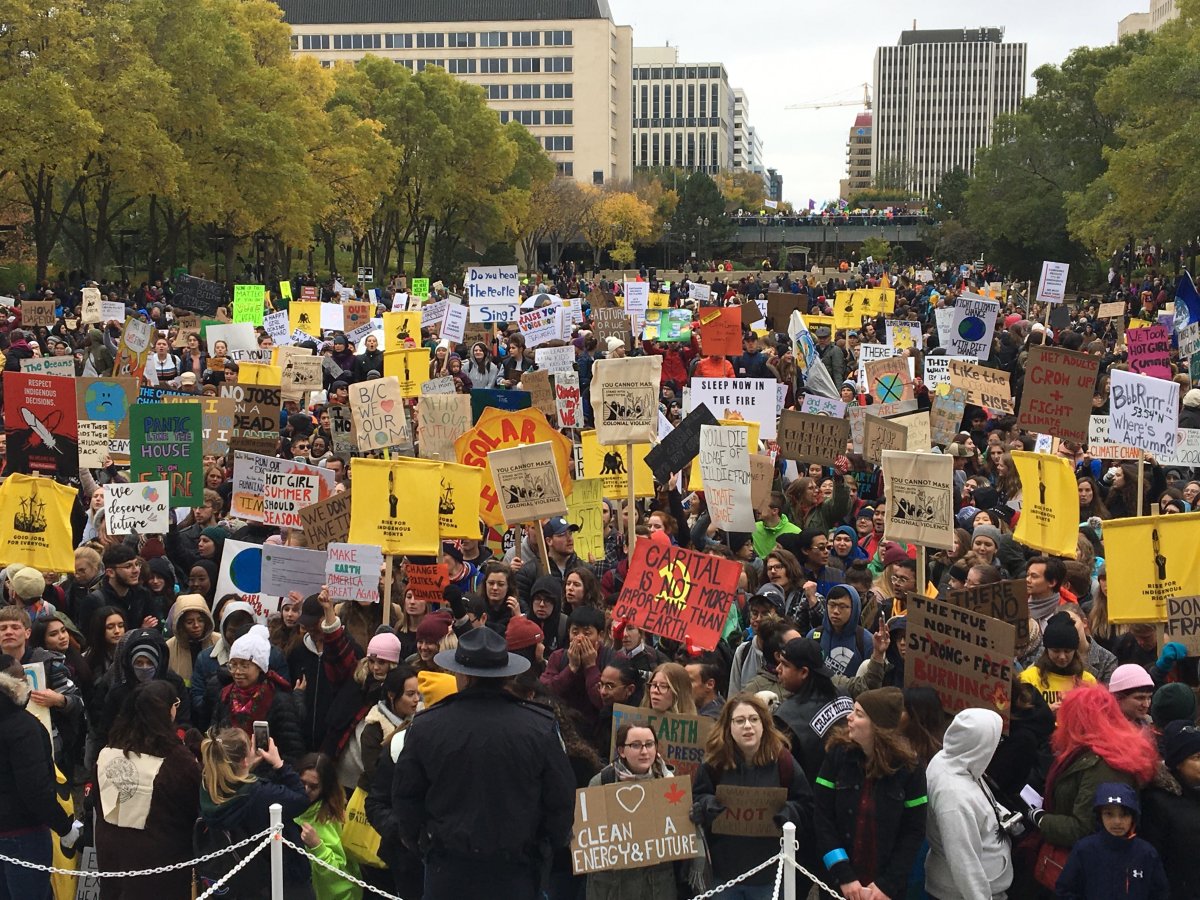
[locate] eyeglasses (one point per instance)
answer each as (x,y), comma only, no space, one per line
(774,567)
(843,607)
(240,665)
(639,746)
(742,721)
(655,686)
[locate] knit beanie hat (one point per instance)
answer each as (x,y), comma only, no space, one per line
(1060,633)
(436,686)
(144,643)
(385,646)
(1173,701)
(433,628)
(1180,740)
(27,583)
(1130,677)
(613,342)
(883,706)
(255,646)
(217,535)
(987,531)
(522,633)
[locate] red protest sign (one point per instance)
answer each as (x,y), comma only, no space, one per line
(426,581)
(721,332)
(677,593)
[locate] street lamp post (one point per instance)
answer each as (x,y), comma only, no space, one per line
(666,246)
(701,224)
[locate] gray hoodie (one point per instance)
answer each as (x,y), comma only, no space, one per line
(968,858)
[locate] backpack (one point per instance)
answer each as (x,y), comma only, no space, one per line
(207,839)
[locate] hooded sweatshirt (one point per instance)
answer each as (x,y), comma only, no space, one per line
(968,859)
(856,552)
(844,650)
(181,649)
(764,538)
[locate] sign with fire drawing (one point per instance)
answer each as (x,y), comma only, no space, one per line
(678,594)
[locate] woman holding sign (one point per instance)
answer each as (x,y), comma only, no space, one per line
(747,750)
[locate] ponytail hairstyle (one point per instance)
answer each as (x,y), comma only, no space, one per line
(330,794)
(222,753)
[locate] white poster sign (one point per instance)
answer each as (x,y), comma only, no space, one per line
(751,399)
(1052,286)
(137,508)
(973,325)
(1143,412)
(725,468)
(352,572)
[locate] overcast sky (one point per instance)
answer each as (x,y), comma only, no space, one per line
(783,52)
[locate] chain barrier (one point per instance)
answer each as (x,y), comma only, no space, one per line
(815,880)
(303,851)
(712,892)
(218,886)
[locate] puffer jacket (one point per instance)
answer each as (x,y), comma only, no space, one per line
(1171,823)
(27,782)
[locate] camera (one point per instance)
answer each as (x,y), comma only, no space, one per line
(1011,823)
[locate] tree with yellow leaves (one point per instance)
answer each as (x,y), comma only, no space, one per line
(617,216)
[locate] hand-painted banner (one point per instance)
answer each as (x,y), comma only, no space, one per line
(527,483)
(1143,412)
(749,399)
(142,508)
(812,438)
(630,826)
(681,737)
(168,445)
(1150,351)
(725,464)
(378,411)
(1149,560)
(250,472)
(920,498)
(352,572)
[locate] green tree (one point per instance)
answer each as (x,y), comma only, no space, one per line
(951,196)
(699,201)
(877,248)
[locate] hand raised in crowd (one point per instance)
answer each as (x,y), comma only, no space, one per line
(810,593)
(150,622)
(883,640)
(327,604)
(514,606)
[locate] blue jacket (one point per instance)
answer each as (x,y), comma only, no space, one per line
(1103,866)
(846,650)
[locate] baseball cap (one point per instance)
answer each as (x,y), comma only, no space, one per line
(805,653)
(769,593)
(557,525)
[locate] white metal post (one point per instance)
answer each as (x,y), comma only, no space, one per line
(276,853)
(789,856)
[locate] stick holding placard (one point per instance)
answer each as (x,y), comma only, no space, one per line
(386,599)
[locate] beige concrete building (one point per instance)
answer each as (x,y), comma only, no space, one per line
(561,72)
(1160,12)
(858,158)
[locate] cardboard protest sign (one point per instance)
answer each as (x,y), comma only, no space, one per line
(541,392)
(240,572)
(1149,560)
(377,409)
(945,416)
(920,498)
(40,425)
(1052,285)
(353,572)
(327,521)
(527,483)
(812,438)
(762,477)
(748,399)
(301,373)
(889,381)
(880,435)
(255,417)
(1007,601)
(1143,412)
(1057,396)
(196,294)
(285,494)
(780,307)
(90,309)
(93,443)
(1150,351)
(920,437)
(965,656)
(168,445)
(982,386)
(341,428)
(681,737)
(378,517)
(721,332)
(1114,310)
(674,452)
(40,512)
(37,312)
(1101,446)
(632,825)
(498,430)
(137,508)
(612,322)
(725,464)
(1183,623)
(677,593)
(250,471)
(426,581)
(1049,503)
(286,569)
(749,811)
(972,327)
(441,418)
(752,312)
(612,467)
(585,509)
(624,396)
(108,399)
(568,403)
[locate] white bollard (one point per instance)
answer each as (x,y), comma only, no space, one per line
(789,855)
(277,853)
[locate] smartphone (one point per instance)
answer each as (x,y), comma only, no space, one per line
(262,735)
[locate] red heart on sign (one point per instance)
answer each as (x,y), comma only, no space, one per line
(386,405)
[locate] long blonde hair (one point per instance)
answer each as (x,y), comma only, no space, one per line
(223,752)
(681,687)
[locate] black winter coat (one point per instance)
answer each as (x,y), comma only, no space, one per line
(27,782)
(1171,823)
(283,718)
(808,721)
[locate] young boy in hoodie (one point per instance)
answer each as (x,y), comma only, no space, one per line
(844,643)
(1113,862)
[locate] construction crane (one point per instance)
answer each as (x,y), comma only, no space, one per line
(866,101)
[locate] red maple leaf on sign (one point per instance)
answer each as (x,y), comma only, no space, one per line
(674,795)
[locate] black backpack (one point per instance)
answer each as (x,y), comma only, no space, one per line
(206,839)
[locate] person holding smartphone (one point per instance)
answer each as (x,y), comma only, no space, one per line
(255,694)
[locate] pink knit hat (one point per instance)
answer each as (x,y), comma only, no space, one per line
(1130,677)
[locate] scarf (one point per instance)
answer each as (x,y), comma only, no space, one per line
(658,769)
(249,705)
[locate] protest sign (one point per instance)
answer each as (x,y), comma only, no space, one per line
(443,384)
(937,370)
(540,325)
(585,509)
(341,428)
(1150,559)
(752,313)
(611,466)
(849,307)
(458,507)
(255,417)
(1189,341)
(555,359)
(40,424)
(637,298)
(1007,601)
(681,737)
(632,825)
(945,417)
(812,438)
(440,419)
(965,656)
(108,399)
(1100,445)
(695,477)
(748,399)
(904,334)
(353,572)
(749,811)
(197,295)
(1052,285)
(90,310)
(880,435)
(250,472)
(972,326)
(286,569)
(401,330)
(37,312)
(920,437)
(816,405)
(427,581)
(889,381)
(326,521)
(1143,412)
(858,421)
(454,327)
(240,572)
(919,488)
(675,451)
(305,316)
(982,386)
(63,366)
(1057,395)
(612,322)
(420,287)
(93,443)
(133,349)
(491,284)
(762,477)
(780,307)
(40,512)
(139,508)
(624,397)
(1187,449)
(1183,623)
(725,464)
(238,339)
(721,332)
(1150,351)
(248,303)
(527,483)
(500,429)
(112,311)
(677,593)
(168,445)
(568,403)
(668,326)
(1114,310)
(377,409)
(285,494)
(276,325)
(410,369)
(378,517)
(1049,503)
(701,293)
(541,392)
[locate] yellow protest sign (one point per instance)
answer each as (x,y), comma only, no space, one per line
(612,468)
(695,482)
(260,374)
(394,505)
(285,289)
(402,329)
(1138,323)
(1049,503)
(36,513)
(849,307)
(658,301)
(458,508)
(585,509)
(1150,559)
(305,315)
(813,322)
(411,368)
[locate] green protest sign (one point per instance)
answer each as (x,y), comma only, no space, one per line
(420,287)
(167,444)
(248,303)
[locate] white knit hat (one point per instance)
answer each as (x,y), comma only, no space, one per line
(255,646)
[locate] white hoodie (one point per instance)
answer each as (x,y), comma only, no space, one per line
(968,859)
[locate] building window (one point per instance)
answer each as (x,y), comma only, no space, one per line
(407,63)
(558,39)
(398,41)
(558,64)
(423,63)
(461,39)
(504,116)
(493,66)
(526,38)
(704,101)
(556,91)
(527,116)
(654,151)
(559,117)
(691,101)
(493,39)
(430,39)
(645,102)
(496,91)
(295,42)
(560,143)
(654,103)
(565,169)
(462,67)
(645,149)
(326,64)
(314,42)
(667,101)
(527,91)
(525,64)
(597,177)
(357,41)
